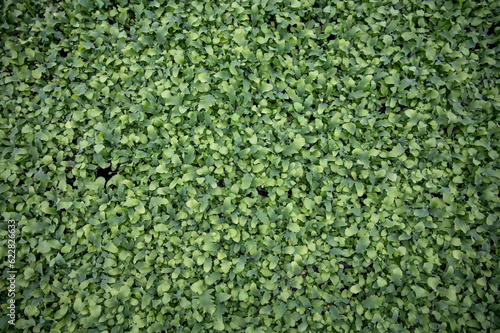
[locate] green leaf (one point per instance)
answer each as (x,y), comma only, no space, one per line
(397,151)
(197,287)
(397,274)
(78,305)
(349,127)
(212,278)
(193,204)
(433,282)
(239,36)
(363,243)
(355,289)
(352,230)
(44,247)
(110,247)
(372,302)
(295,147)
(124,292)
(206,102)
(95,311)
(246,181)
(185,303)
(294,227)
(279,310)
(219,325)
(206,303)
(243,295)
(421,212)
(37,73)
(420,292)
(222,297)
(226,266)
(381,282)
(265,87)
(98,148)
(273,262)
(131,202)
(451,294)
(173,100)
(240,265)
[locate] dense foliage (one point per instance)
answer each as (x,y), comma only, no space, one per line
(272,166)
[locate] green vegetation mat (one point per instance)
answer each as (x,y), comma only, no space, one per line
(250,166)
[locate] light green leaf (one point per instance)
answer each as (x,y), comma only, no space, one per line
(295,147)
(397,151)
(246,181)
(349,127)
(197,287)
(279,310)
(372,302)
(294,227)
(355,289)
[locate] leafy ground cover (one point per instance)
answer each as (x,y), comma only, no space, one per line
(272,166)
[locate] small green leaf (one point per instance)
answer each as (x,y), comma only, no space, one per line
(193,204)
(98,148)
(279,310)
(212,278)
(225,267)
(294,227)
(44,247)
(246,181)
(95,311)
(243,295)
(206,303)
(110,247)
(352,230)
(420,292)
(37,73)
(349,127)
(397,151)
(273,262)
(355,289)
(222,297)
(397,274)
(197,287)
(295,147)
(381,282)
(372,302)
(206,102)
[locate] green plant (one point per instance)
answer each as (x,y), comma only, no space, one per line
(272,166)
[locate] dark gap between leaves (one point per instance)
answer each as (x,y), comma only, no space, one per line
(263,192)
(346,265)
(106,173)
(437,195)
(491,30)
(70,181)
(361,198)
